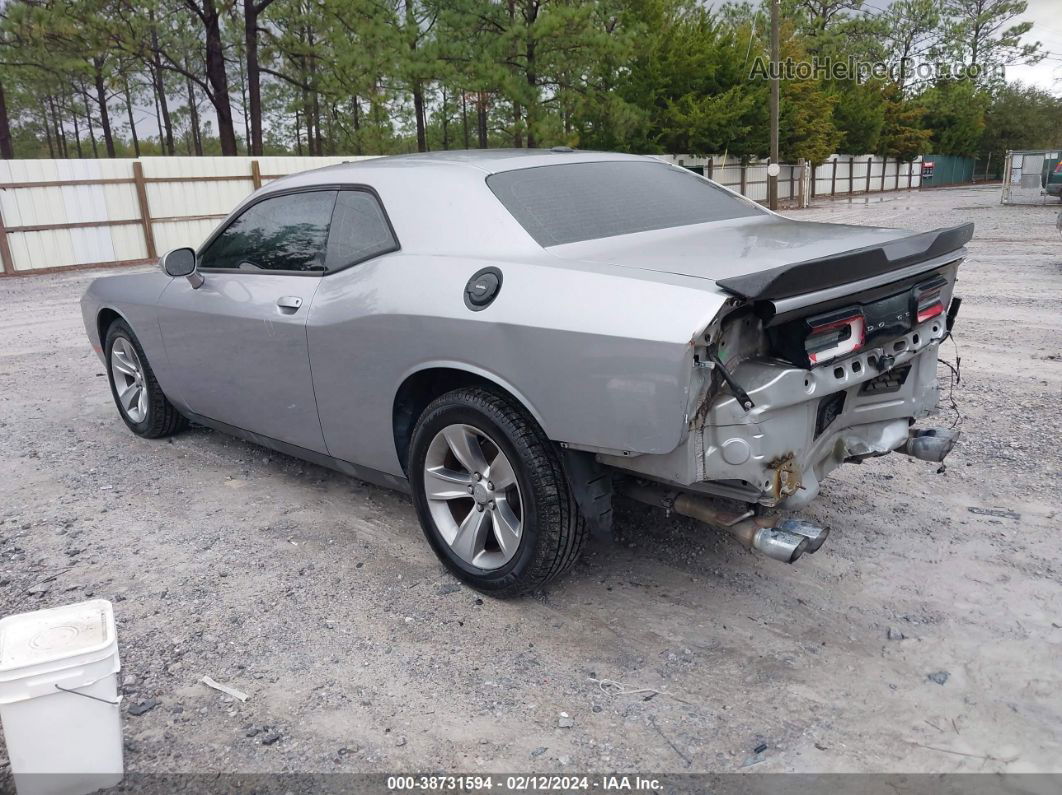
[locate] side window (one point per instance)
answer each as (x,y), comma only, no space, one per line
(359,230)
(285,233)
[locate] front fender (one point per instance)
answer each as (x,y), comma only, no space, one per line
(134,298)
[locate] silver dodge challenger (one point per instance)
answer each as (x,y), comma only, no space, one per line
(514,337)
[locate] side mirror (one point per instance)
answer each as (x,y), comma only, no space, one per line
(179,262)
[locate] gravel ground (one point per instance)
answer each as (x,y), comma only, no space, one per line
(925,636)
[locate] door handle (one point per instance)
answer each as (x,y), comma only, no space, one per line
(289,304)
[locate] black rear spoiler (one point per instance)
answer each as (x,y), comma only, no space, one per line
(812,275)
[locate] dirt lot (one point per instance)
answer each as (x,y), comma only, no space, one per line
(925,636)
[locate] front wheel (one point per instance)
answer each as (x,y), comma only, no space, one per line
(139,398)
(491,494)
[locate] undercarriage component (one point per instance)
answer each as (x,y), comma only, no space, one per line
(591,486)
(785,541)
(930,444)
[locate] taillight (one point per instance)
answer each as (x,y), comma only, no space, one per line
(929,302)
(813,341)
(835,334)
(934,309)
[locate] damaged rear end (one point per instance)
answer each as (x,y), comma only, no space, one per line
(806,367)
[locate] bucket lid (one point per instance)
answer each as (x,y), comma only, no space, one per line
(56,634)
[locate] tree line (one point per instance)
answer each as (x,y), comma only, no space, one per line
(385,76)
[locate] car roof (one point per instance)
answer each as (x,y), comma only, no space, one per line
(488,161)
(438,202)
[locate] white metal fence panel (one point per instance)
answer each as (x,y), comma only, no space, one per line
(177,234)
(843,174)
(176,199)
(274,166)
(68,213)
(42,218)
(748,179)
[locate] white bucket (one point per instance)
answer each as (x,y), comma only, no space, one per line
(61,743)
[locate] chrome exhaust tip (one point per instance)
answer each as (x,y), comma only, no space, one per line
(780,544)
(785,541)
(930,444)
(816,536)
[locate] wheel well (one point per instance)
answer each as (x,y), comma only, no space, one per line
(422,388)
(103,322)
(590,481)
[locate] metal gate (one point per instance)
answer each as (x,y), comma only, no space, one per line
(1027,175)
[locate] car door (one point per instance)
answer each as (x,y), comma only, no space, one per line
(237,343)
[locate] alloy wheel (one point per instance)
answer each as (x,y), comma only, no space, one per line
(128,376)
(474,496)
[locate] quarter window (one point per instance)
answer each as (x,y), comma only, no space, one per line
(359,230)
(284,233)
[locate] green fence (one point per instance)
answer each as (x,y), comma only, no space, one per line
(947,170)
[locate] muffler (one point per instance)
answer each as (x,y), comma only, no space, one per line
(785,541)
(930,444)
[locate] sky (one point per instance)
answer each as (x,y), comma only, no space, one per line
(1046,16)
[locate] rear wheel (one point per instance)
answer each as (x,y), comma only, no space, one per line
(139,398)
(491,494)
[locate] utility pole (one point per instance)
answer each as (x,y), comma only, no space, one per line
(772,178)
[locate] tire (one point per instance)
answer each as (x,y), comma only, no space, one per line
(153,416)
(551,530)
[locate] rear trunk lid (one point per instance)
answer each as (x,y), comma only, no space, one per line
(724,249)
(769,257)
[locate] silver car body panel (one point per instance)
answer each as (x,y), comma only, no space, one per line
(722,249)
(238,357)
(597,339)
(620,383)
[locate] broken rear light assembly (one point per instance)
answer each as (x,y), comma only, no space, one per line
(834,334)
(812,341)
(818,339)
(928,300)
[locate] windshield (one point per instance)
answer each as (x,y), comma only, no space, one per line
(570,202)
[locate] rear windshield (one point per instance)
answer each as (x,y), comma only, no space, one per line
(585,201)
